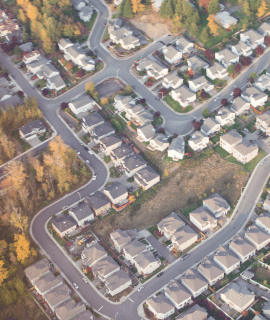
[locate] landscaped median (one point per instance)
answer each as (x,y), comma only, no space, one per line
(176,105)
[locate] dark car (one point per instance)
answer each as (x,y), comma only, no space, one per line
(87,149)
(160,274)
(184,256)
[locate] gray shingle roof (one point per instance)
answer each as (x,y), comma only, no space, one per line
(123,151)
(69,309)
(36,124)
(117,280)
(177,292)
(178,145)
(105,266)
(196,63)
(242,246)
(37,269)
(232,137)
(57,81)
(57,295)
(97,200)
(63,222)
(194,313)
(133,162)
(193,280)
(160,304)
(92,254)
(148,174)
(116,189)
(93,119)
(64,42)
(148,131)
(103,129)
(82,101)
(47,282)
(208,124)
(81,211)
(110,140)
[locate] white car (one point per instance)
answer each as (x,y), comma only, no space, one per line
(90,151)
(216,99)
(78,152)
(85,280)
(231,94)
(141,288)
(87,161)
(75,286)
(94,177)
(83,239)
(81,143)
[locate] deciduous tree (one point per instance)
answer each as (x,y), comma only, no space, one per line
(237,67)
(213,26)
(137,6)
(22,247)
(104,101)
(209,54)
(213,7)
(197,125)
(224,102)
(90,87)
(15,176)
(8,146)
(205,113)
(3,272)
(128,89)
(262,9)
(231,69)
(32,12)
(267,41)
(20,222)
(237,92)
(246,61)
(259,50)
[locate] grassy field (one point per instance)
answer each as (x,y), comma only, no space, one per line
(250,126)
(223,153)
(187,210)
(90,24)
(176,105)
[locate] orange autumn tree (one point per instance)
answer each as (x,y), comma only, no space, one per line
(204,3)
(213,26)
(22,247)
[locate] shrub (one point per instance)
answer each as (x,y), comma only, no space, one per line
(231,69)
(246,61)
(259,50)
(197,125)
(203,94)
(209,54)
(267,41)
(189,154)
(156,114)
(20,93)
(237,67)
(45,92)
(237,92)
(64,105)
(163,92)
(142,101)
(251,80)
(104,101)
(80,73)
(205,113)
(224,102)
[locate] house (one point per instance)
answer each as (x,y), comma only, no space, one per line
(32,129)
(110,143)
(143,118)
(63,224)
(69,309)
(225,19)
(118,23)
(198,141)
(47,283)
(184,45)
(120,102)
(266,310)
(98,202)
(263,82)
(229,140)
(254,96)
(183,95)
(200,83)
(120,238)
(161,307)
(242,248)
(184,238)
(105,268)
(82,104)
(133,112)
(252,38)
(47,71)
(124,37)
(216,71)
(121,153)
(194,282)
(145,133)
(81,213)
(263,222)
(240,106)
(86,13)
(210,126)
(226,260)
(133,249)
(154,69)
(172,81)
(91,121)
(257,237)
(171,54)
(196,64)
(202,219)
(264,29)
(263,122)
(35,66)
(85,315)
(210,271)
(56,83)
(159,143)
(194,313)
(169,225)
(93,254)
(155,4)
(217,205)
(117,282)
(37,270)
(226,57)
(266,204)
(176,149)
(177,294)
(237,297)
(117,193)
(57,296)
(26,47)
(225,117)
(78,4)
(242,49)
(146,263)
(31,56)
(130,42)
(5,93)
(133,164)
(146,177)
(245,152)
(101,131)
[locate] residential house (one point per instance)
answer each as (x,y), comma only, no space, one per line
(240,106)
(216,71)
(101,131)
(257,237)
(263,82)
(194,313)
(211,272)
(120,238)
(8,26)
(31,56)
(210,126)
(184,238)
(225,117)
(133,249)
(47,71)
(200,83)
(16,35)
(177,294)
(155,4)
(226,260)
(83,104)
(117,193)
(5,93)
(117,282)
(121,153)
(78,4)
(93,254)
(69,309)
(57,296)
(56,83)
(242,49)
(146,177)
(229,140)
(32,130)
(202,219)
(194,282)
(26,47)
(143,118)
(37,270)
(154,69)
(81,213)
(245,152)
(266,204)
(171,54)
(263,122)
(105,268)
(198,141)
(183,95)
(159,143)
(47,283)
(133,164)
(36,65)
(169,225)
(172,80)
(266,310)
(120,102)
(145,133)
(263,221)
(110,143)
(86,13)
(98,202)
(146,263)
(118,23)
(225,19)
(91,121)
(176,149)
(161,307)
(254,96)
(242,248)
(63,224)
(226,57)
(184,45)
(237,297)
(133,112)
(124,37)
(264,29)
(217,205)
(196,64)
(252,38)
(130,42)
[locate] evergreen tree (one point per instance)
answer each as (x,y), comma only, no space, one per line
(196,18)
(179,7)
(205,35)
(188,9)
(247,9)
(213,7)
(194,30)
(128,13)
(162,10)
(169,9)
(122,5)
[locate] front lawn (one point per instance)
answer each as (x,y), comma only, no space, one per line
(157,120)
(106,35)
(41,84)
(216,138)
(251,126)
(234,126)
(90,24)
(176,105)
(114,173)
(223,153)
(187,210)
(107,159)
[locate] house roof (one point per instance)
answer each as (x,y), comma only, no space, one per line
(93,119)
(200,81)
(197,137)
(97,200)
(82,101)
(216,202)
(184,93)
(118,279)
(86,11)
(238,103)
(264,79)
(257,235)
(177,292)
(241,46)
(228,55)
(37,269)
(266,308)
(47,282)
(75,51)
(265,218)
(170,52)
(210,269)
(103,129)
(64,42)
(123,151)
(208,124)
(160,304)
(130,39)
(223,113)
(217,68)
(265,27)
(26,47)
(144,259)
(194,313)
(63,222)
(242,246)
(118,22)
(116,190)
(57,295)
(120,33)
(105,266)
(202,215)
(122,237)
(245,148)
(196,63)
(255,93)
(232,137)
(225,18)
(36,124)
(48,69)
(124,99)
(259,317)
(134,162)
(182,43)
(148,174)
(178,145)
(193,280)
(134,248)
(184,234)
(173,78)
(110,140)
(68,309)
(171,223)
(145,116)
(253,35)
(57,81)
(81,211)
(225,257)
(148,131)
(265,117)
(93,253)
(136,109)
(85,315)
(37,63)
(160,140)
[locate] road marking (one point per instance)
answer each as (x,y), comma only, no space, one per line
(130,300)
(100,308)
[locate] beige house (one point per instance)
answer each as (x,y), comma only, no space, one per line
(202,219)
(183,95)
(169,225)
(117,282)
(242,248)
(226,260)
(240,106)
(69,309)
(133,249)
(63,224)
(120,238)
(263,222)
(211,272)
(47,283)
(145,133)
(146,263)
(194,313)
(37,270)
(133,164)
(117,193)
(257,237)
(105,268)
(161,307)
(93,254)
(229,140)
(177,294)
(184,238)
(210,126)
(176,149)
(194,282)
(266,204)
(146,177)
(172,81)
(245,152)
(159,143)
(225,117)
(217,205)
(198,141)
(98,202)
(263,122)
(110,143)
(57,296)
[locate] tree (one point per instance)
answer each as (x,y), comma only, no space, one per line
(204,4)
(68,66)
(156,114)
(90,87)
(137,6)
(203,94)
(15,176)
(177,23)
(48,45)
(190,154)
(231,69)
(197,125)
(209,54)
(128,13)
(247,9)
(128,89)
(64,105)
(95,96)
(194,30)
(3,272)
(237,67)
(18,52)
(205,113)
(224,102)
(262,9)
(45,92)
(22,247)
(213,26)
(267,41)
(246,61)
(117,125)
(22,17)
(20,222)
(80,73)
(32,12)
(162,92)
(253,75)
(237,92)
(8,146)
(259,50)
(179,8)
(205,35)
(213,7)
(169,9)
(162,9)
(3,248)
(251,80)
(104,101)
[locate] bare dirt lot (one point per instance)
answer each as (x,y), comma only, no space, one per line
(183,188)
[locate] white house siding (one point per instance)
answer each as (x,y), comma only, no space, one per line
(119,289)
(243,258)
(227,270)
(180,305)
(262,226)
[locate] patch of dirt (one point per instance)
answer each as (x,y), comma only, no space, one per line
(184,187)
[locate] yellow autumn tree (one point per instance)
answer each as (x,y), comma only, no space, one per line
(8,146)
(15,176)
(3,272)
(21,16)
(137,6)
(22,247)
(77,31)
(32,12)
(104,101)
(213,26)
(262,9)
(90,87)
(20,222)
(23,3)
(47,43)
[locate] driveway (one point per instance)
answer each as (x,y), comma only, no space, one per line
(165,253)
(34,142)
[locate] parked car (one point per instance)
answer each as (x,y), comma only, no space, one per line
(78,152)
(142,287)
(75,286)
(87,161)
(160,274)
(85,148)
(90,151)
(94,177)
(184,256)
(85,280)
(34,78)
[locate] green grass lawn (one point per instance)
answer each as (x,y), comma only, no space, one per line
(152,229)
(25,145)
(107,159)
(176,105)
(106,35)
(90,24)
(216,138)
(187,210)
(41,84)
(111,107)
(250,126)
(251,164)
(234,126)
(114,173)
(157,120)
(223,153)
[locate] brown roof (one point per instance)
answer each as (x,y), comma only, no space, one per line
(232,137)
(194,313)
(160,304)
(193,280)
(242,246)
(210,269)
(225,257)
(177,292)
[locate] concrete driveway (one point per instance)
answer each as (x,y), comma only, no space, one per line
(164,252)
